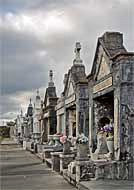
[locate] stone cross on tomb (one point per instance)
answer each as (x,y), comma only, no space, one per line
(77,53)
(51,83)
(51,75)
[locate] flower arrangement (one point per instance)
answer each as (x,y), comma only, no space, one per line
(82,139)
(108,128)
(63,139)
(108,131)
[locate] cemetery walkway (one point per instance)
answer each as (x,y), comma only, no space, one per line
(21,170)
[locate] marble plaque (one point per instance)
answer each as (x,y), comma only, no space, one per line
(103,85)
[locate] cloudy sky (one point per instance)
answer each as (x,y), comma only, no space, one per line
(39,35)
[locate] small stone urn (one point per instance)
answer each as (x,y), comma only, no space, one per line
(57,140)
(82,150)
(82,146)
(50,140)
(101,143)
(66,147)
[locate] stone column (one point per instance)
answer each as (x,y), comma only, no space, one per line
(70,123)
(66,121)
(77,122)
(90,128)
(81,107)
(58,124)
(45,129)
(48,125)
(116,129)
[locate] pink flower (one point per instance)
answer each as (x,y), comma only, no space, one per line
(63,139)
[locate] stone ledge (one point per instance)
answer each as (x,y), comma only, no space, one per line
(67,155)
(106,185)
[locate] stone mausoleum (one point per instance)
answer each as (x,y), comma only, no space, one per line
(72,106)
(99,106)
(111,108)
(49,122)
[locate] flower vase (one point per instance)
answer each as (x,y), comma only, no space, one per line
(110,143)
(51,141)
(57,140)
(66,147)
(101,143)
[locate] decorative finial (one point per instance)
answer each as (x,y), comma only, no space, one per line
(77,53)
(77,50)
(21,112)
(38,95)
(30,100)
(51,75)
(51,83)
(37,92)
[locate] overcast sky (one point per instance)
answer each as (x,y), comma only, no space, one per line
(39,35)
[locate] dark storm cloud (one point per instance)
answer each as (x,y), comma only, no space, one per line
(8,106)
(30,50)
(24,5)
(14,5)
(16,43)
(21,66)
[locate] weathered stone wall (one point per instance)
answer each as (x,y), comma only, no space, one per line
(127,107)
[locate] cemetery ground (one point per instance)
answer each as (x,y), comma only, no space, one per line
(21,170)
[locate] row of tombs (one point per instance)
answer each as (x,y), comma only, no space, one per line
(87,133)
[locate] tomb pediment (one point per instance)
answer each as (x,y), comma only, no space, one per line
(47,102)
(101,64)
(103,69)
(69,86)
(70,89)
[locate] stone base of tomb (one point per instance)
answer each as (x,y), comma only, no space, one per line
(70,177)
(65,160)
(28,145)
(84,169)
(117,170)
(94,170)
(87,170)
(47,152)
(55,157)
(105,184)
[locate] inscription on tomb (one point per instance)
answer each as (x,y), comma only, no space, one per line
(103,85)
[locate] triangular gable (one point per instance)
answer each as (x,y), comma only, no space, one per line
(47,103)
(50,93)
(46,98)
(104,69)
(101,66)
(69,88)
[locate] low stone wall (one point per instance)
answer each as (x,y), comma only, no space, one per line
(121,170)
(65,160)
